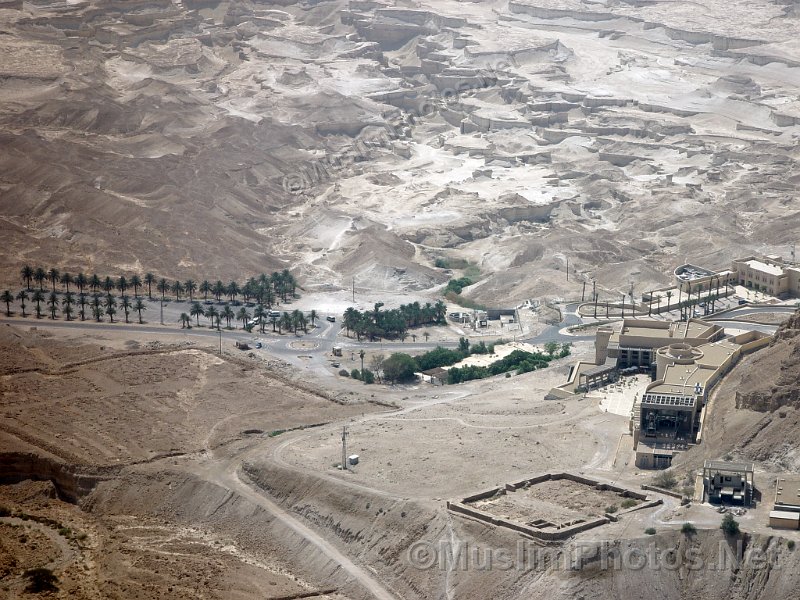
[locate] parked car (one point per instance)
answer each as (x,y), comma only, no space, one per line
(258,345)
(331,318)
(742,302)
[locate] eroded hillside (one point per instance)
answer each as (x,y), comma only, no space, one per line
(366,139)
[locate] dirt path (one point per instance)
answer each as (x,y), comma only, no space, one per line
(229,476)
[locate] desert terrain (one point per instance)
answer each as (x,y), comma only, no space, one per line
(363,141)
(378,151)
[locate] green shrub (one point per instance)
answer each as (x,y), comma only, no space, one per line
(441,263)
(399,367)
(790,544)
(40,580)
(650,531)
(457,285)
(368,376)
(729,525)
(612,509)
(665,480)
(355,374)
(344,373)
(688,529)
(628,503)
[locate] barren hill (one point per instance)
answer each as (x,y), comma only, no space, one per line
(221,138)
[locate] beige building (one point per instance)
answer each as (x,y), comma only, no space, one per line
(769,274)
(786,512)
(685,360)
(691,279)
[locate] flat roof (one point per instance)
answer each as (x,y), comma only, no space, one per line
(675,330)
(683,379)
(787,490)
(717,353)
(724,465)
(760,265)
(784,514)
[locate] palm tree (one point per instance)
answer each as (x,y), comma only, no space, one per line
(38,297)
(219,289)
(233,290)
(275,321)
(126,306)
(426,335)
(350,319)
(243,316)
(8,298)
(313,316)
(67,303)
(260,314)
(81,282)
(27,275)
(669,298)
(22,297)
(122,284)
(66,279)
(136,283)
(186,320)
(139,306)
(40,276)
(286,322)
(94,282)
(440,310)
(162,287)
(52,302)
(111,306)
(227,314)
(196,311)
(205,288)
(108,285)
(97,308)
(82,304)
(361,354)
(212,313)
(191,287)
(149,279)
(54,277)
(296,318)
(650,305)
(177,289)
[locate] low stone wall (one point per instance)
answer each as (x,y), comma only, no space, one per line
(653,488)
(461,506)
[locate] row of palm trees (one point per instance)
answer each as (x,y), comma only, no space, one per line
(261,316)
(265,289)
(97,306)
(71,304)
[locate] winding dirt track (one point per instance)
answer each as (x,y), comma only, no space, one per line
(228,475)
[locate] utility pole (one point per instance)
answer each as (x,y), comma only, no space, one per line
(161,302)
(344,448)
(583,292)
(354,290)
(567,257)
(220,341)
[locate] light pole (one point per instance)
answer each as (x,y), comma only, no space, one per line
(220,341)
